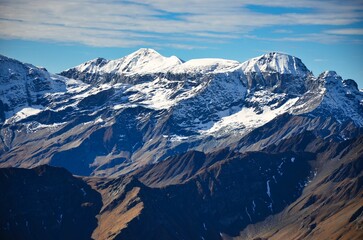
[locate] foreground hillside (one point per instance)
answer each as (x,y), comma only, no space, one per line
(315,194)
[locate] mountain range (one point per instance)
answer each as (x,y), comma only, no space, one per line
(161,148)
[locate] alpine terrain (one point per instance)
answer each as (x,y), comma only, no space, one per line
(153,147)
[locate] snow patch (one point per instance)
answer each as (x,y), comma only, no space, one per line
(249,216)
(268,188)
(176,138)
(60,219)
(83,191)
(99,120)
(24,113)
(248,118)
(253,206)
(35,126)
(205,227)
(279,168)
(207,65)
(274,179)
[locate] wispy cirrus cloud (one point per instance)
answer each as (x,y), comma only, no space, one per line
(313,37)
(319,60)
(184,24)
(346,31)
(282,31)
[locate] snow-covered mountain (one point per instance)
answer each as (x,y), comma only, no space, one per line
(276,63)
(108,117)
(24,88)
(142,62)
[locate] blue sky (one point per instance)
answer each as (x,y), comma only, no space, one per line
(326,35)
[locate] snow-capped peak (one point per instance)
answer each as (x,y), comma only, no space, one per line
(276,62)
(142,61)
(329,74)
(141,57)
(143,52)
(146,60)
(341,98)
(331,78)
(93,65)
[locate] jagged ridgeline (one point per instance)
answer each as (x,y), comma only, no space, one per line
(109,117)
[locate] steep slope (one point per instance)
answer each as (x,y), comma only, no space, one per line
(121,205)
(330,206)
(46,203)
(225,194)
(209,203)
(281,193)
(179,168)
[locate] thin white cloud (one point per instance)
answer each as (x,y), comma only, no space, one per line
(185,46)
(282,31)
(346,31)
(319,60)
(186,23)
(316,37)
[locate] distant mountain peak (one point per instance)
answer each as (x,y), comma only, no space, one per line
(147,60)
(145,52)
(329,74)
(276,62)
(142,61)
(97,61)
(331,78)
(351,83)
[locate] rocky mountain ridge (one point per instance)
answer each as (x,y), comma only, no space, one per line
(145,107)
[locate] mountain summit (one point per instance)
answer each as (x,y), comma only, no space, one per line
(141,62)
(275,62)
